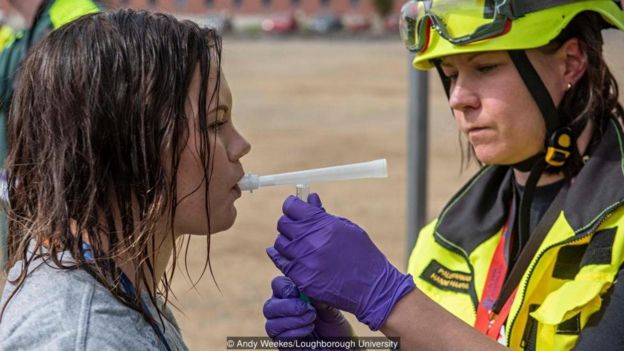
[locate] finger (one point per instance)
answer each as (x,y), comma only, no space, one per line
(281,245)
(296,209)
(296,333)
(292,327)
(279,261)
(287,227)
(315,200)
(293,307)
(283,287)
(327,313)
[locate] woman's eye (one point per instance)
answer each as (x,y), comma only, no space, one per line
(486,68)
(216,126)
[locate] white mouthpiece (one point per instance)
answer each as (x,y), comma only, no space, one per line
(371,169)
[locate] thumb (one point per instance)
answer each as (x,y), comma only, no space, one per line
(283,287)
(296,209)
(315,200)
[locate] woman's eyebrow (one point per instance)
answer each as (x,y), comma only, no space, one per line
(221,106)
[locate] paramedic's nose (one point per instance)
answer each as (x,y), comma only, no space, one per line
(463,96)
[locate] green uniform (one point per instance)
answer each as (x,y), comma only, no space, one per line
(6,36)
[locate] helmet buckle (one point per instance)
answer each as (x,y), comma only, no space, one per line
(559,147)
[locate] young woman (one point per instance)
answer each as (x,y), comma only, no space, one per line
(528,253)
(121,140)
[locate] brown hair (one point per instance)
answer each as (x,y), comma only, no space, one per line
(96,128)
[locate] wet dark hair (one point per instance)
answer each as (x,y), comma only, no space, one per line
(593,98)
(95,131)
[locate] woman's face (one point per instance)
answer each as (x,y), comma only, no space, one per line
(493,107)
(226,149)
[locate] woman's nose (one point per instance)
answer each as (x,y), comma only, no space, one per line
(239,147)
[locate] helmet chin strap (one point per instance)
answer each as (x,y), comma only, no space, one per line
(527,164)
(558,144)
(559,140)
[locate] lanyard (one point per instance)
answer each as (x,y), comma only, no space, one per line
(490,313)
(129,289)
(488,322)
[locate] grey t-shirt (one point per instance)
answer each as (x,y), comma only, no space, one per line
(70,310)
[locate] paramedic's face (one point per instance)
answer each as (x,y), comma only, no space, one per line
(494,109)
(226,149)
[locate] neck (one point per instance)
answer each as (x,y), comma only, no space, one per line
(581,143)
(159,258)
(162,257)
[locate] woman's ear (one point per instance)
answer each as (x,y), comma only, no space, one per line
(575,61)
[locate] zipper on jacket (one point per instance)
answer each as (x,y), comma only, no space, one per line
(591,231)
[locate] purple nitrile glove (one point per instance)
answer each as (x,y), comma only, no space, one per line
(287,315)
(334,261)
(290,317)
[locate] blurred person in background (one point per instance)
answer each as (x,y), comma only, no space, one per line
(127,147)
(42,17)
(6,34)
(528,254)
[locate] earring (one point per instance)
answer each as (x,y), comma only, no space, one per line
(569,86)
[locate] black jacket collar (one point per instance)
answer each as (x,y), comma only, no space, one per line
(479,209)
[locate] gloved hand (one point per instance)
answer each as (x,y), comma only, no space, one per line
(334,261)
(290,317)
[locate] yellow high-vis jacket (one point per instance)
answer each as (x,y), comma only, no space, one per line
(569,275)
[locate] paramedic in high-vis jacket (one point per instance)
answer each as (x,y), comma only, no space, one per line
(527,254)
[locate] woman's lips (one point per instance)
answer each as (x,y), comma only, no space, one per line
(237,191)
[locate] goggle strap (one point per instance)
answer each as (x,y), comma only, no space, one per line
(523,7)
(538,90)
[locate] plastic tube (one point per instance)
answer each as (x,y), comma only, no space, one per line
(370,169)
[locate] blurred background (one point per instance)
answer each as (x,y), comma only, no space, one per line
(316,83)
(280,17)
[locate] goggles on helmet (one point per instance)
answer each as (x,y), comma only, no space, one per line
(462,22)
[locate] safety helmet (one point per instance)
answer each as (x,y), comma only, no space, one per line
(438,28)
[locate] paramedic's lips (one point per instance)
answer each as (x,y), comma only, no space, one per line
(476,131)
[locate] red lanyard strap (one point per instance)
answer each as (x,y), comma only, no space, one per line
(532,245)
(487,322)
(498,293)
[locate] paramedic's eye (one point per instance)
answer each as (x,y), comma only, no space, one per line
(487,68)
(450,75)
